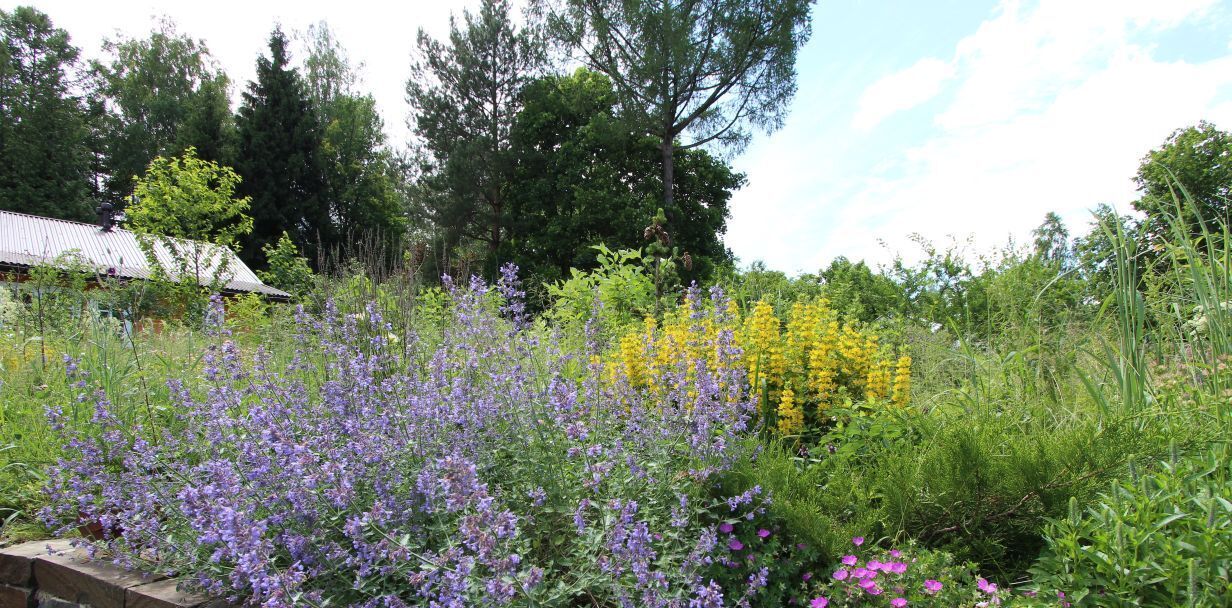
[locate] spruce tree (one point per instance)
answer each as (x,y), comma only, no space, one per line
(278,157)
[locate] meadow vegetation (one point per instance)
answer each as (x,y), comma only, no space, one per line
(401,441)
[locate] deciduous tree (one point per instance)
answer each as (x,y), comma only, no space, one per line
(360,169)
(45,160)
(1193,166)
(583,178)
(163,94)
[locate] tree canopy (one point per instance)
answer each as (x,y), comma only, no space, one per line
(163,95)
(692,72)
(45,157)
(1193,166)
(583,178)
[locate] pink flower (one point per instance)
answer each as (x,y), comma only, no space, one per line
(763,533)
(898,602)
(895,553)
(735,544)
(850,560)
(840,574)
(874,591)
(931,586)
(874,564)
(897,567)
(867,583)
(986,586)
(819,602)
(725,528)
(863,573)
(857,541)
(808,576)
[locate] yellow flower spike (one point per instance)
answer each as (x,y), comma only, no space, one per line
(791,418)
(877,384)
(902,382)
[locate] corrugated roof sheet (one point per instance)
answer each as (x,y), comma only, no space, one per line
(29,240)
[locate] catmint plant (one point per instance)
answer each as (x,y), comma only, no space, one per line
(467,463)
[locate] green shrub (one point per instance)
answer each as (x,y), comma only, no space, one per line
(1161,539)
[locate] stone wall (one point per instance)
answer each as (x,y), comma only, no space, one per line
(52,574)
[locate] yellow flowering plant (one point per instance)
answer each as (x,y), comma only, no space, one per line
(799,368)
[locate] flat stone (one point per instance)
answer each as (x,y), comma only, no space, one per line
(15,597)
(46,600)
(162,594)
(76,578)
(17,562)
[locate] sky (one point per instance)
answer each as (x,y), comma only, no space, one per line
(955,122)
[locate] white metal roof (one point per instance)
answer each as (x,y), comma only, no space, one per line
(30,240)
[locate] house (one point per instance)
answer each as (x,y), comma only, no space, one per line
(27,241)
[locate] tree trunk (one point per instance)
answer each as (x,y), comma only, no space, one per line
(669,179)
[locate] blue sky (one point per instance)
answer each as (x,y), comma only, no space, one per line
(966,122)
(958,121)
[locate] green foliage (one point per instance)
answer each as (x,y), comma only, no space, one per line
(44,126)
(288,271)
(855,292)
(709,69)
(187,217)
(164,95)
(757,283)
(279,159)
(1162,538)
(613,296)
(1194,162)
(188,198)
(583,178)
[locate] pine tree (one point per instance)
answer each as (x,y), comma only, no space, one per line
(465,92)
(278,157)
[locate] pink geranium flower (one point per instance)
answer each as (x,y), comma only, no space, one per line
(725,528)
(819,602)
(898,602)
(763,533)
(932,587)
(857,541)
(850,560)
(735,544)
(840,574)
(986,586)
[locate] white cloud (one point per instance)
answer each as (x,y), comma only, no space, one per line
(901,91)
(1051,108)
